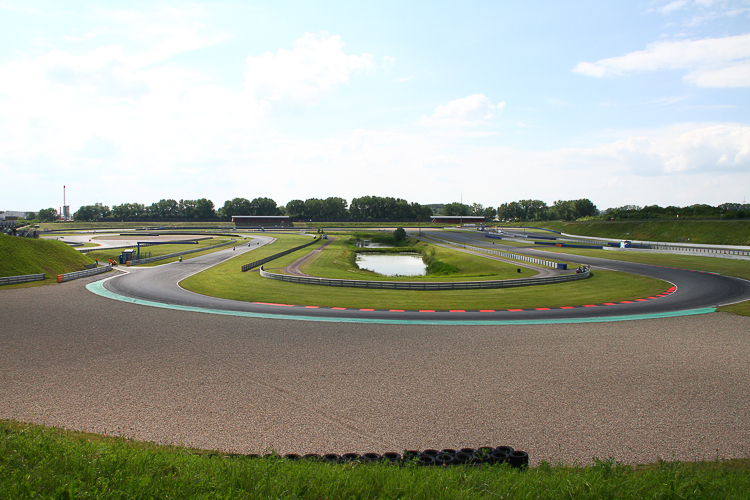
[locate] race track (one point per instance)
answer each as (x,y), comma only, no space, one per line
(696,292)
(637,391)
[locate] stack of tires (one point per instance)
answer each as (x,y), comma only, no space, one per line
(443,458)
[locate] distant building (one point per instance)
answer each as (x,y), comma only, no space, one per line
(260,220)
(13,215)
(458,219)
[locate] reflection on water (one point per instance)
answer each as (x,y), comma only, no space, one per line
(403,264)
(370,244)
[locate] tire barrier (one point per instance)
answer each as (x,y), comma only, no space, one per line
(260,262)
(485,455)
(12,280)
(424,285)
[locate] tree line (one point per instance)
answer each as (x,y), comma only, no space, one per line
(388,208)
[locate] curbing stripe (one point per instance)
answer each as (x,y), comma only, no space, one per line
(98,289)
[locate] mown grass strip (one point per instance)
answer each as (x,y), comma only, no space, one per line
(53,463)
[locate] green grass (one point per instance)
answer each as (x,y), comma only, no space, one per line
(727,267)
(337,261)
(38,462)
(227,281)
(709,232)
(33,256)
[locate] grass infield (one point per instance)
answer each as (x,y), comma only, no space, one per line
(227,281)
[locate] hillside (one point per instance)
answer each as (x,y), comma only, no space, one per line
(31,256)
(709,232)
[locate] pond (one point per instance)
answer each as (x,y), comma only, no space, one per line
(392,264)
(370,244)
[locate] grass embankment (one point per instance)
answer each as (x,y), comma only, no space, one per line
(53,463)
(157,250)
(22,256)
(227,281)
(708,232)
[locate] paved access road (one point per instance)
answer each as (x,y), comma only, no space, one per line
(693,292)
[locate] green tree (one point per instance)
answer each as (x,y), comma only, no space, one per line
(236,206)
(264,206)
(455,209)
(48,215)
(399,234)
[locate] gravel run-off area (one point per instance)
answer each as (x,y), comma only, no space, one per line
(636,391)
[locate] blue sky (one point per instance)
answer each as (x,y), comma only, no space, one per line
(621,102)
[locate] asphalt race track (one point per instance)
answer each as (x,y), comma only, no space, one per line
(695,292)
(637,391)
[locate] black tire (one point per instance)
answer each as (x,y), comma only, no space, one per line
(313,457)
(430,452)
(461,458)
(518,459)
(292,456)
(499,457)
(392,457)
(445,459)
(350,457)
(371,457)
(331,458)
(426,460)
(506,449)
(484,454)
(410,455)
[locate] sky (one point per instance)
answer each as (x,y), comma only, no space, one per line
(621,102)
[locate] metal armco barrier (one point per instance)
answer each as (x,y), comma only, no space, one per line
(61,278)
(260,262)
(26,278)
(421,285)
(136,262)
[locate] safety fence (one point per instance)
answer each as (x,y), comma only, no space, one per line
(148,260)
(505,255)
(61,278)
(424,285)
(260,262)
(709,250)
(26,278)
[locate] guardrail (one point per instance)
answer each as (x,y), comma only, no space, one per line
(61,278)
(506,255)
(136,262)
(260,262)
(709,250)
(423,285)
(26,278)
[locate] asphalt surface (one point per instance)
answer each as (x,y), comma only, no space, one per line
(636,391)
(693,291)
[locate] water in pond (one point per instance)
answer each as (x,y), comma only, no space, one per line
(390,264)
(370,244)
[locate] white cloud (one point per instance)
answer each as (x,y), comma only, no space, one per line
(710,62)
(476,109)
(304,74)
